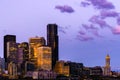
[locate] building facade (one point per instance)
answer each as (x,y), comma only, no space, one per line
(34,43)
(44,58)
(52,41)
(8,38)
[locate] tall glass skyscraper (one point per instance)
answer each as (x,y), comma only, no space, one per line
(52,41)
(8,38)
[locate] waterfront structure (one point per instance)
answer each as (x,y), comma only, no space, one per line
(44,58)
(52,41)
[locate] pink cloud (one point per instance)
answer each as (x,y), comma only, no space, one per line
(116,30)
(65,8)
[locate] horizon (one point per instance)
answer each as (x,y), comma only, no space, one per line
(90,29)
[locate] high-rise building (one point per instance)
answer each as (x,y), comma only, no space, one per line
(25,47)
(12,52)
(44,58)
(107,68)
(8,38)
(52,41)
(34,43)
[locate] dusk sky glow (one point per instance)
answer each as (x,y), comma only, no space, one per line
(88,29)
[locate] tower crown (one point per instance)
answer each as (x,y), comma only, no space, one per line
(107,57)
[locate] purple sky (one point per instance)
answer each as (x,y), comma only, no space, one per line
(88,29)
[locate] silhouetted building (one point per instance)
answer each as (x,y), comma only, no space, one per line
(8,38)
(96,71)
(76,69)
(52,41)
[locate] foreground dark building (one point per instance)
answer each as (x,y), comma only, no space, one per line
(52,41)
(8,38)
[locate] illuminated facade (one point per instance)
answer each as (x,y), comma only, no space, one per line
(12,70)
(34,43)
(107,68)
(52,41)
(62,67)
(25,47)
(44,58)
(12,52)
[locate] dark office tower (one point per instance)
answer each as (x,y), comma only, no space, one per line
(52,41)
(8,38)
(25,47)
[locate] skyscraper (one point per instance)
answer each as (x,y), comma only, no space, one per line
(34,43)
(8,38)
(52,41)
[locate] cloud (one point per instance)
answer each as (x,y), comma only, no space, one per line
(81,32)
(62,29)
(96,33)
(88,27)
(91,29)
(118,20)
(96,20)
(105,14)
(65,8)
(84,38)
(101,4)
(85,4)
(116,30)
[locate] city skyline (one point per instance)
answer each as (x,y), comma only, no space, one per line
(85,38)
